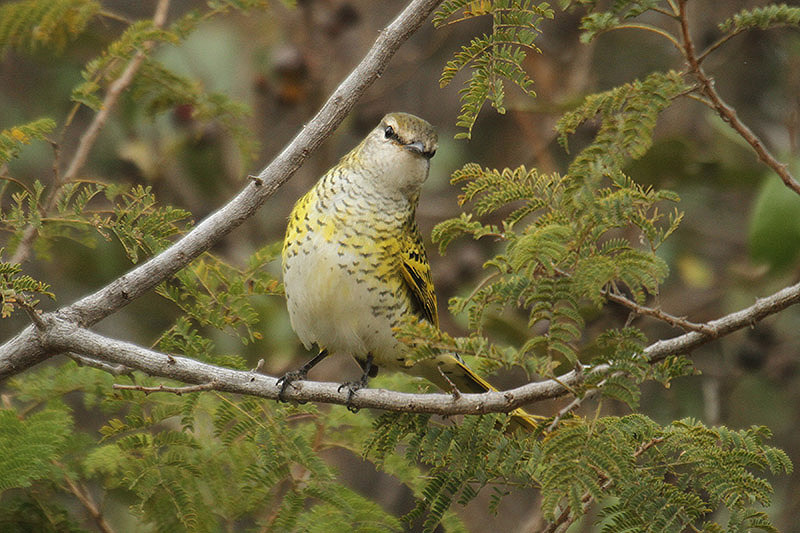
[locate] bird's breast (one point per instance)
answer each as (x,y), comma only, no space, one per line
(343,286)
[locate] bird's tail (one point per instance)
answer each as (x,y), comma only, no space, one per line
(450,367)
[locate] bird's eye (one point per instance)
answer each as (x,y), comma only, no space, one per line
(389,132)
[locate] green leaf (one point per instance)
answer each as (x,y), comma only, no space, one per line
(761,18)
(31,445)
(11,140)
(492,58)
(28,25)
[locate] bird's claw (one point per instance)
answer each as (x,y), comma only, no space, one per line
(284,382)
(352,387)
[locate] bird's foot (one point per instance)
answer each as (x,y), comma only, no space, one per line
(352,387)
(288,378)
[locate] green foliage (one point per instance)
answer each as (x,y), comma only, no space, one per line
(108,67)
(11,139)
(649,477)
(658,478)
(33,24)
(86,209)
(16,287)
(156,89)
(762,18)
(568,253)
(214,293)
(617,15)
(463,459)
(493,57)
(196,462)
(141,225)
(627,116)
(31,445)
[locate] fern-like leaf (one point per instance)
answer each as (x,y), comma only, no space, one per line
(627,116)
(11,140)
(761,18)
(492,57)
(31,24)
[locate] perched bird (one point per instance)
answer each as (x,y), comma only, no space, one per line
(354,266)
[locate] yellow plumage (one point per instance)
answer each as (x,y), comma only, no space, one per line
(354,265)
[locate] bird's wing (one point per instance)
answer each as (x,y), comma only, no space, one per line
(445,370)
(417,275)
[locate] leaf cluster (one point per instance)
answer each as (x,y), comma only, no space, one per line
(648,477)
(33,24)
(463,459)
(492,57)
(16,288)
(11,140)
(189,463)
(656,478)
(211,292)
(762,18)
(86,209)
(563,248)
(627,115)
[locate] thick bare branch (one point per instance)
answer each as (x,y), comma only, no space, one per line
(24,350)
(63,336)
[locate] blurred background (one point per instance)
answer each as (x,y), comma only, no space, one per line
(739,239)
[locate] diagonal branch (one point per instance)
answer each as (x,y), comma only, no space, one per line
(727,112)
(24,350)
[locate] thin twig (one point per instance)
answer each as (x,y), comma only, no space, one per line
(571,406)
(86,500)
(646,446)
(653,29)
(716,44)
(727,112)
(114,370)
(89,137)
(165,388)
(655,312)
(33,313)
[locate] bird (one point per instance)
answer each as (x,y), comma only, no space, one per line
(354,265)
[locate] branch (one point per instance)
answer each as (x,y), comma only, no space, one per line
(61,335)
(727,112)
(24,351)
(114,370)
(86,500)
(657,313)
(164,388)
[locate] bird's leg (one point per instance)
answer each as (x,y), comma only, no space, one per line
(370,370)
(299,374)
(453,389)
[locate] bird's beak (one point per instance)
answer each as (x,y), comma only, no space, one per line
(418,148)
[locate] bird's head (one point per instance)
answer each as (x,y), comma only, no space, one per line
(398,151)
